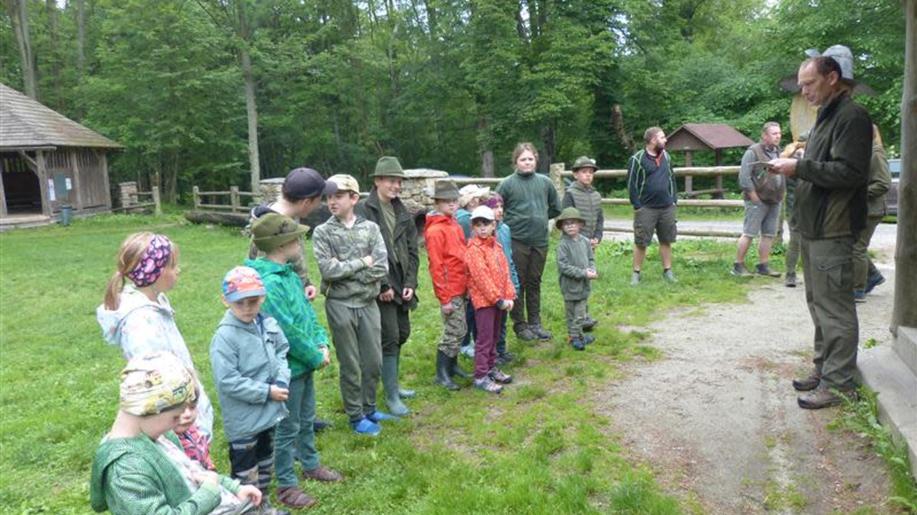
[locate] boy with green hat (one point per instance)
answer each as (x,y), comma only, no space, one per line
(353,262)
(576,267)
(397,295)
(278,236)
(588,201)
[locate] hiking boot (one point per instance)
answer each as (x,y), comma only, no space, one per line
(525,334)
(323,474)
(635,278)
(874,280)
(859,296)
(366,427)
(488,385)
(790,281)
(443,367)
(456,371)
(808,383)
(499,376)
(294,497)
(504,358)
(669,277)
(588,338)
(578,343)
(825,397)
(740,270)
(540,332)
(763,269)
(590,323)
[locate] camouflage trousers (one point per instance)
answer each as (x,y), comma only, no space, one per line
(454,327)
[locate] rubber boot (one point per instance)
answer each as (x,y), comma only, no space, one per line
(443,369)
(456,371)
(390,385)
(404,393)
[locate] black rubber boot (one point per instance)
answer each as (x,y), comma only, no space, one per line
(456,371)
(443,369)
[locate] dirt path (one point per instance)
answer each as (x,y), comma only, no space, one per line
(716,419)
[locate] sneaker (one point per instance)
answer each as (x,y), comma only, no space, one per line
(635,278)
(859,296)
(669,276)
(540,332)
(588,338)
(578,343)
(763,269)
(504,358)
(525,334)
(807,383)
(740,270)
(499,376)
(324,474)
(488,385)
(874,280)
(790,281)
(590,323)
(468,351)
(379,416)
(825,397)
(365,426)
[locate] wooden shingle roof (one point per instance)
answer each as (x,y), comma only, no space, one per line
(25,123)
(711,136)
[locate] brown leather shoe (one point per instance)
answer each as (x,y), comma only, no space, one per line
(824,397)
(294,497)
(323,474)
(808,383)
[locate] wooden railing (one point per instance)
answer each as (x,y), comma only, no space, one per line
(235,204)
(135,201)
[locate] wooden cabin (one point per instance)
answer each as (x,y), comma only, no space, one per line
(48,161)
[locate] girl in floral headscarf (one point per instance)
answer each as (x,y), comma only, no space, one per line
(136,314)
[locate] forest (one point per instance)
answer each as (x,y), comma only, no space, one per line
(222,92)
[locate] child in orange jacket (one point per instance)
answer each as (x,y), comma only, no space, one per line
(492,294)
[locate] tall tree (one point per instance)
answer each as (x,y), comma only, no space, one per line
(18,11)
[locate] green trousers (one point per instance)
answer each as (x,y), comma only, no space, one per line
(575,311)
(828,267)
(357,334)
(862,265)
(295,434)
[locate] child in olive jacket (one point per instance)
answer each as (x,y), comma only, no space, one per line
(576,267)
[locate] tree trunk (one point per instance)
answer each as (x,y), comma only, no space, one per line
(51,6)
(548,139)
(905,312)
(617,123)
(251,109)
(485,148)
(19,15)
(81,37)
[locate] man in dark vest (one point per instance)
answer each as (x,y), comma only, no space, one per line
(397,296)
(763,193)
(830,211)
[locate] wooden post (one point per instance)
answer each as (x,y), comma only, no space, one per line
(2,191)
(42,174)
(75,167)
(554,172)
(196,197)
(157,205)
(905,311)
(689,181)
(234,197)
(103,159)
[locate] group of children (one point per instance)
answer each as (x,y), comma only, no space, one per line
(269,342)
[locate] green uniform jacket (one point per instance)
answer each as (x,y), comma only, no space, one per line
(401,247)
(831,188)
(339,252)
(529,201)
(132,475)
(880,180)
(286,302)
(588,202)
(574,257)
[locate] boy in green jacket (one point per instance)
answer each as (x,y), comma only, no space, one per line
(279,237)
(575,267)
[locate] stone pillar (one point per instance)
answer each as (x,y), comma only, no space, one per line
(417,187)
(127,193)
(270,189)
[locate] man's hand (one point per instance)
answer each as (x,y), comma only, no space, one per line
(311,292)
(278,393)
(387,296)
(753,197)
(594,242)
(326,356)
(407,294)
(249,493)
(447,308)
(368,261)
(783,166)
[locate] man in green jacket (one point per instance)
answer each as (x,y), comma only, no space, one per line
(865,274)
(830,212)
(397,295)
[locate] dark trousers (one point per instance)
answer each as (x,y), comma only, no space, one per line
(530,266)
(396,327)
(863,266)
(488,321)
(501,340)
(828,267)
(470,335)
(252,459)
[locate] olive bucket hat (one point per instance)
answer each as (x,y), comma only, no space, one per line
(584,162)
(570,213)
(445,190)
(388,166)
(273,230)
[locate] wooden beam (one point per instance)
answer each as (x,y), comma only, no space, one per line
(77,183)
(42,174)
(103,159)
(905,311)
(29,161)
(2,192)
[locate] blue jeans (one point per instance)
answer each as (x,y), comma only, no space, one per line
(296,431)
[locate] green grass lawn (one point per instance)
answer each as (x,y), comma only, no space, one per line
(539,447)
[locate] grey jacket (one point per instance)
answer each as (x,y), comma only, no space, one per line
(339,252)
(247,359)
(574,257)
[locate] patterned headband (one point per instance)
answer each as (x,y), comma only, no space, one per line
(152,262)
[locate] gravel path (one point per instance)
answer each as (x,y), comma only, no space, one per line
(717,419)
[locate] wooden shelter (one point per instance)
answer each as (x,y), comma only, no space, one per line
(693,137)
(48,161)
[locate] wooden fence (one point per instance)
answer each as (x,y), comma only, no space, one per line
(133,201)
(235,200)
